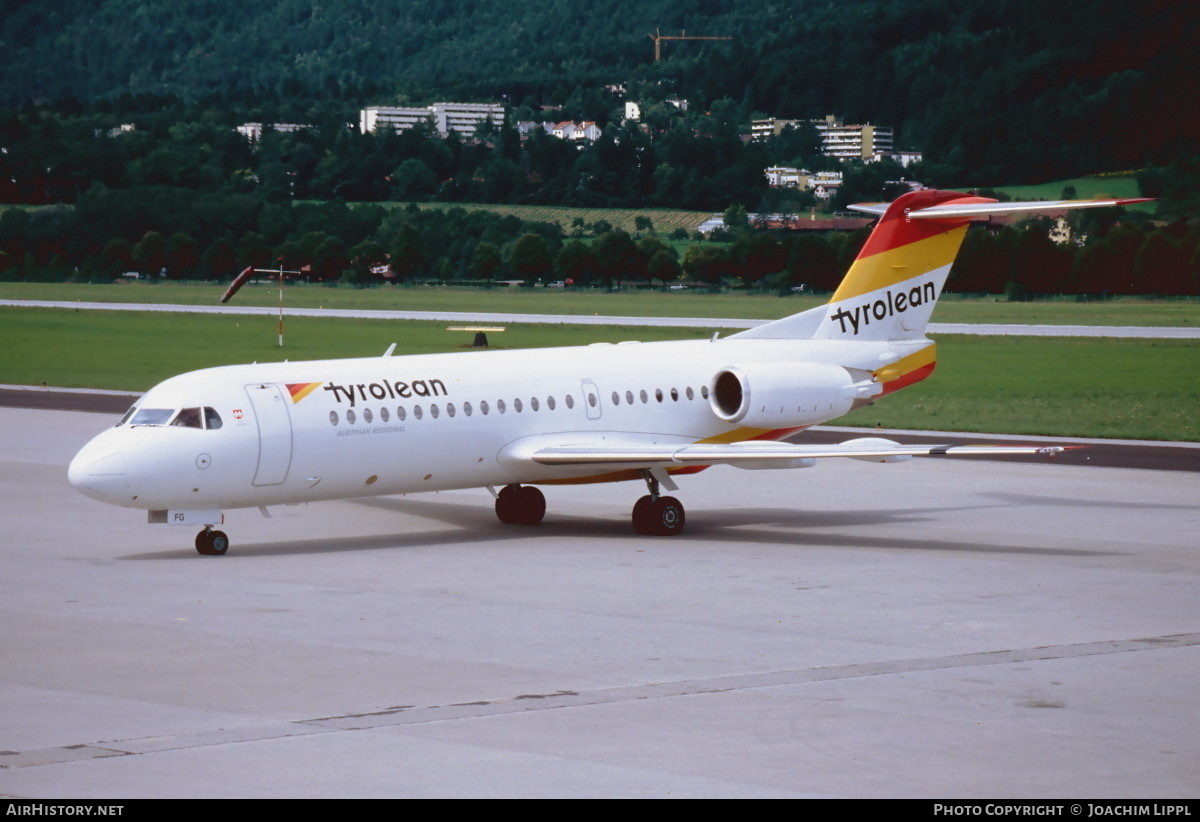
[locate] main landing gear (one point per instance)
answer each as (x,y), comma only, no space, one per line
(653,515)
(520,505)
(210,542)
(657,516)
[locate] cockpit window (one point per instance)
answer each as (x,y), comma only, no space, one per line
(152,416)
(188,418)
(206,417)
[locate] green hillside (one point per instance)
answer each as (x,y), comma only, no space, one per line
(1003,89)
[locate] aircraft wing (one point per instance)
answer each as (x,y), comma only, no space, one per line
(763,454)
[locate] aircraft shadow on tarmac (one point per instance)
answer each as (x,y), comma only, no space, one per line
(476,523)
(1076,502)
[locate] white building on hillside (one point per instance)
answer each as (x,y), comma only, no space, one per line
(585,131)
(461,118)
(823,183)
(853,142)
(845,142)
(787,177)
(254,131)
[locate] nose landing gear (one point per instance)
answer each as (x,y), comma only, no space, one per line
(210,542)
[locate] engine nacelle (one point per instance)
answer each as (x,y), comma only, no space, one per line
(785,395)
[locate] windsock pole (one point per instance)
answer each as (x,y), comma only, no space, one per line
(281,305)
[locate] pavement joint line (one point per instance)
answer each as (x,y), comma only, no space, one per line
(413,715)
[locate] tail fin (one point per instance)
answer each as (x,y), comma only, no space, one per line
(890,290)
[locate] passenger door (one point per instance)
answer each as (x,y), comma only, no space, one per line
(274,421)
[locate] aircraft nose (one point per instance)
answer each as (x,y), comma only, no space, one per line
(100,472)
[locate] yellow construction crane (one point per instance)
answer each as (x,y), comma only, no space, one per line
(658,38)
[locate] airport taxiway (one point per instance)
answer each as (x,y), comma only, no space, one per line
(992,329)
(935,628)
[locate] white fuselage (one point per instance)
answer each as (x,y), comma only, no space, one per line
(330,429)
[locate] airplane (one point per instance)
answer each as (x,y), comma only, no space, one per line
(242,436)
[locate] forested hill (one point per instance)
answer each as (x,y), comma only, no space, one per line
(1002,89)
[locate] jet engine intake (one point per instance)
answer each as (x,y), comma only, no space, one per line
(781,394)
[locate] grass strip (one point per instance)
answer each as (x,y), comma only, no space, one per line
(1073,386)
(688,303)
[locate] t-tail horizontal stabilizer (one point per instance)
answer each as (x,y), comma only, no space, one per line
(890,291)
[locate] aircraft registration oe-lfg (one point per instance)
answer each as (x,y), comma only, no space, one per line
(267,434)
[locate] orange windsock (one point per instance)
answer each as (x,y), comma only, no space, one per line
(238,282)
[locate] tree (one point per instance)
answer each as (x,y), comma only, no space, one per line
(1039,265)
(219,259)
(576,263)
(366,261)
(813,263)
(485,262)
(150,253)
(616,257)
(647,247)
(758,255)
(408,252)
(735,217)
(330,259)
(663,267)
(707,264)
(1162,265)
(530,258)
(412,180)
(117,257)
(982,265)
(252,250)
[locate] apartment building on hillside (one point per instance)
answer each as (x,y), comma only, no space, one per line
(461,118)
(839,140)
